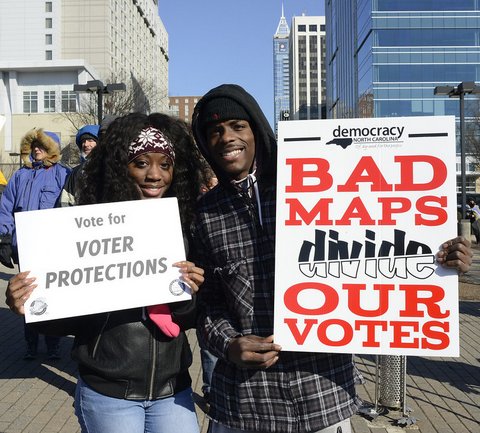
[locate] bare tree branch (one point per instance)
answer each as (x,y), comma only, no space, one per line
(140,96)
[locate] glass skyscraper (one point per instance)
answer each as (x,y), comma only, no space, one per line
(385,57)
(281,71)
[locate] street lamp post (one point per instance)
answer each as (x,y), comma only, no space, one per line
(465,87)
(96,86)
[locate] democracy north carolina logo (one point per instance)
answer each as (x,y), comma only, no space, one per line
(344,137)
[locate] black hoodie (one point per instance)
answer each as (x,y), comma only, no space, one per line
(265,143)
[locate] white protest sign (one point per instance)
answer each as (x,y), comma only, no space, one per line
(363,206)
(105,257)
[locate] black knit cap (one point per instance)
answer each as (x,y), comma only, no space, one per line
(88,136)
(220,109)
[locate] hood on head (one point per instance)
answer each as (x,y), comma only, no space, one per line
(90,131)
(265,143)
(48,140)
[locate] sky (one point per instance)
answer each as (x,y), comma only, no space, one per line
(212,42)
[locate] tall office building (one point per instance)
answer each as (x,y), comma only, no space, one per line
(385,57)
(48,46)
(307,67)
(281,71)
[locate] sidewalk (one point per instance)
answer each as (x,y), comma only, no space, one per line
(443,393)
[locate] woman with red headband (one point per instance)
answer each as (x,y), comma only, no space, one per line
(133,364)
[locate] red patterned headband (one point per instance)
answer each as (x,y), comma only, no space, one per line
(150,140)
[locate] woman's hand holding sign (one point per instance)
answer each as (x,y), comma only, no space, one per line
(191,274)
(19,289)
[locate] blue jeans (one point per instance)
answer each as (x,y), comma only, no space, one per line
(208,360)
(98,413)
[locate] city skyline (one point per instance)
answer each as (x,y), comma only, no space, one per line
(242,37)
(386,59)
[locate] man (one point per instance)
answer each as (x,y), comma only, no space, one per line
(255,387)
(86,140)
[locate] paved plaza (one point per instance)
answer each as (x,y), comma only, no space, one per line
(443,394)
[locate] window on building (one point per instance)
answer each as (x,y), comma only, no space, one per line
(48,39)
(48,23)
(30,102)
(426,5)
(312,27)
(69,101)
(48,6)
(302,28)
(470,185)
(303,112)
(49,101)
(48,55)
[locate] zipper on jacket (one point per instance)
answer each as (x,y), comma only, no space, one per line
(30,186)
(100,336)
(154,363)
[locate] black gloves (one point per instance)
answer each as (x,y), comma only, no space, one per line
(6,251)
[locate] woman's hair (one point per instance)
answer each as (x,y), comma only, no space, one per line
(105,176)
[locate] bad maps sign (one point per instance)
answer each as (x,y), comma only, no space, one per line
(363,206)
(106,257)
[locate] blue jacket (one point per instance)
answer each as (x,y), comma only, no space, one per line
(30,188)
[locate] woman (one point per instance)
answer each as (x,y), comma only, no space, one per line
(133,374)
(36,185)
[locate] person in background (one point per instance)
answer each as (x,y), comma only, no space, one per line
(86,140)
(133,364)
(474,212)
(36,185)
(256,387)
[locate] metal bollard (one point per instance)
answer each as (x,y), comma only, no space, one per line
(390,389)
(391,381)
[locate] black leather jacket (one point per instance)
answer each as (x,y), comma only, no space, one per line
(123,354)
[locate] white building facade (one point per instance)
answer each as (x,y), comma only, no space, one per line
(307,68)
(48,46)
